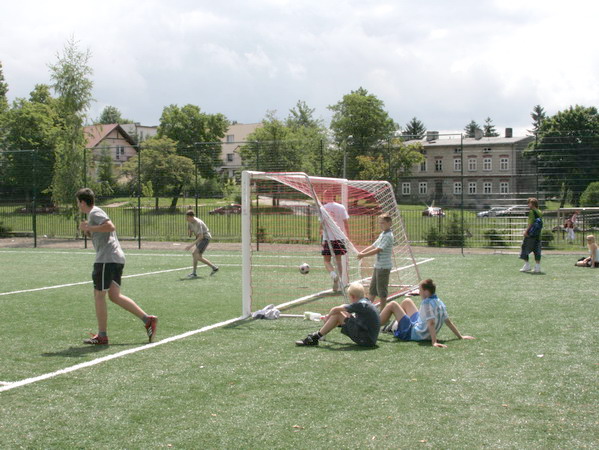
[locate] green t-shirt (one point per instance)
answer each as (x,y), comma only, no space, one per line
(532,215)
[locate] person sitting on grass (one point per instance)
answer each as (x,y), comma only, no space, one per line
(424,324)
(593,259)
(359,320)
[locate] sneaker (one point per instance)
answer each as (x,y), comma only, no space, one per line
(192,275)
(151,327)
(96,339)
(311,339)
(335,286)
(537,268)
(214,271)
(525,268)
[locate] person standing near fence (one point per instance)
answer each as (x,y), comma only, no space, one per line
(108,268)
(532,237)
(199,229)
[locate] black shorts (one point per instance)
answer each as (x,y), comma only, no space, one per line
(105,274)
(352,329)
(338,248)
(203,245)
(531,244)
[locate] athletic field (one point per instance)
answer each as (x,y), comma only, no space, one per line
(529,380)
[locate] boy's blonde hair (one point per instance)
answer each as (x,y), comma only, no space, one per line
(591,238)
(534,202)
(386,217)
(356,290)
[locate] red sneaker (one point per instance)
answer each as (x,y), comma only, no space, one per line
(96,340)
(151,327)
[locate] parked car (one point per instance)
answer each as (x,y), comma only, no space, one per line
(495,211)
(228,209)
(433,211)
(517,210)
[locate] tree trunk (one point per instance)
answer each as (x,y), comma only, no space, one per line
(156,203)
(176,197)
(563,200)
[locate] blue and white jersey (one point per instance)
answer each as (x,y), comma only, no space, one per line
(385,243)
(430,308)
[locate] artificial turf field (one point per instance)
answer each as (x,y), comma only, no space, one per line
(528,381)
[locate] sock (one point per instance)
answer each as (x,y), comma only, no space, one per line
(102,334)
(145,320)
(319,334)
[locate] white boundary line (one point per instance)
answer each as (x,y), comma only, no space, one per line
(46,376)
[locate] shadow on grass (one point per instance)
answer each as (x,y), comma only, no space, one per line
(346,346)
(79,352)
(192,279)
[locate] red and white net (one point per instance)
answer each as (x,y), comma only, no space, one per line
(291,213)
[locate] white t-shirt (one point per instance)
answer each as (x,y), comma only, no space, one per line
(339,214)
(197,226)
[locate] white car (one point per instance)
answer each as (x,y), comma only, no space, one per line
(495,211)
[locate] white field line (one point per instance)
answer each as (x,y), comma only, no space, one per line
(16,384)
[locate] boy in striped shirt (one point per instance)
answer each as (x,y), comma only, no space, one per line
(422,324)
(383,249)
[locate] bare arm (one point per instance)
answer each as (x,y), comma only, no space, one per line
(455,330)
(430,324)
(369,251)
(199,237)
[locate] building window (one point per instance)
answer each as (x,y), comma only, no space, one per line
(438,165)
(229,157)
(422,187)
(457,187)
(504,187)
(457,165)
(457,150)
(120,151)
(405,188)
(487,164)
(472,187)
(423,166)
(472,164)
(230,138)
(487,187)
(504,164)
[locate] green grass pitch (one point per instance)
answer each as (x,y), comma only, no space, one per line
(529,380)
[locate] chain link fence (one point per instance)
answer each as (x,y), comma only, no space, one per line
(471,193)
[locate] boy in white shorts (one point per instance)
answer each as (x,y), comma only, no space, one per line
(198,228)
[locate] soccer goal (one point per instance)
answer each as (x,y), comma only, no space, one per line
(284,218)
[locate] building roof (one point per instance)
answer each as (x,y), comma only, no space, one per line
(94,134)
(470,142)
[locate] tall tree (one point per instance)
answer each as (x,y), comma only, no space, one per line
(301,115)
(399,162)
(470,129)
(111,114)
(360,126)
(196,133)
(71,77)
(414,129)
(489,129)
(106,178)
(538,115)
(567,151)
(3,92)
(161,168)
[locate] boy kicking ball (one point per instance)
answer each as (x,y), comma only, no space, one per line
(199,229)
(359,320)
(422,324)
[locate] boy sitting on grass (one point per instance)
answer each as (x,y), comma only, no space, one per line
(424,324)
(359,320)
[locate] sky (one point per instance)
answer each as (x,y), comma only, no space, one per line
(444,62)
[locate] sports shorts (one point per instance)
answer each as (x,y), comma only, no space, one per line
(405,325)
(379,285)
(202,245)
(352,329)
(105,274)
(338,248)
(531,244)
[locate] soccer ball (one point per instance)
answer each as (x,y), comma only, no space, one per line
(304,269)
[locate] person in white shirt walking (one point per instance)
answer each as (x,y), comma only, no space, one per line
(333,238)
(198,228)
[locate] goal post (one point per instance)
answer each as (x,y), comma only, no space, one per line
(285,216)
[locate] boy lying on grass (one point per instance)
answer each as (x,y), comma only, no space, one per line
(420,325)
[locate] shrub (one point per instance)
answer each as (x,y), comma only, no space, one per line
(495,237)
(546,238)
(454,236)
(590,196)
(4,230)
(433,237)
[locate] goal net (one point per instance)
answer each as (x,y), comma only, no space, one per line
(285,217)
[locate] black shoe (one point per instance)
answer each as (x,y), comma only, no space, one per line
(214,271)
(311,339)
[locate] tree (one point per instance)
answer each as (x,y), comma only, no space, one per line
(470,129)
(302,116)
(31,125)
(567,151)
(71,80)
(360,126)
(105,176)
(161,168)
(489,129)
(538,116)
(197,135)
(3,92)
(414,129)
(590,196)
(111,114)
(397,163)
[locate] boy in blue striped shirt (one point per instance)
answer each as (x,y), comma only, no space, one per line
(422,324)
(383,249)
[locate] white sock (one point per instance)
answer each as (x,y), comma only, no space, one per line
(537,267)
(526,266)
(333,275)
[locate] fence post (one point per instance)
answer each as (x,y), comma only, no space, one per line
(84,184)
(34,217)
(138,197)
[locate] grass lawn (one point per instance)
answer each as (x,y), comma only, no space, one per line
(528,381)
